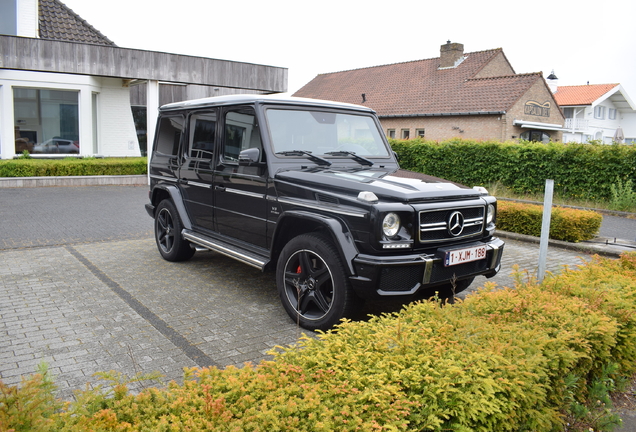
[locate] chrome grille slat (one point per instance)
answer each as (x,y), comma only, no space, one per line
(433,223)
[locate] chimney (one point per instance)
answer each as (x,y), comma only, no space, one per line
(450,54)
(553,82)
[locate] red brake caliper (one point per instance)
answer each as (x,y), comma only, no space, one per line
(298,270)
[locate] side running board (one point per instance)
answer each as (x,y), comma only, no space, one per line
(228,249)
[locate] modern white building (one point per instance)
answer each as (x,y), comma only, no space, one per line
(597,112)
(65,88)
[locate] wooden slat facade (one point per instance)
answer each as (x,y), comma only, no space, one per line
(99,60)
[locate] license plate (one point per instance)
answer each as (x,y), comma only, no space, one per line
(460,256)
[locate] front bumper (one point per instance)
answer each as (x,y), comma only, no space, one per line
(380,276)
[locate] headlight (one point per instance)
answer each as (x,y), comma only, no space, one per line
(491,214)
(391,224)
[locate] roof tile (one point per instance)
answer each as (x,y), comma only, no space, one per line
(58,22)
(582,94)
(420,88)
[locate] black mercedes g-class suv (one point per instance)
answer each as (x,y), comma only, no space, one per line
(313,190)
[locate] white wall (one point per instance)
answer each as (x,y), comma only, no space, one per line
(27,18)
(116,128)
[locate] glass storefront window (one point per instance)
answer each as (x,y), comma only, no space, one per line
(46,121)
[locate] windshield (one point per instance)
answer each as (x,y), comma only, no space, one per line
(322,132)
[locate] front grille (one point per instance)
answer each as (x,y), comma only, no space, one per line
(434,223)
(402,278)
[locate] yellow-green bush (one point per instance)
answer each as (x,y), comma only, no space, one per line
(72,167)
(501,360)
(566,224)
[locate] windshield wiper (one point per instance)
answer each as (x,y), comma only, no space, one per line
(360,159)
(317,159)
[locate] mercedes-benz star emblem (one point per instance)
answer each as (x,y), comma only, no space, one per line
(456,223)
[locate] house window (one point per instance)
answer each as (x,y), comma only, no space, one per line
(419,133)
(46,121)
(536,135)
(599,112)
(612,114)
(390,133)
(406,133)
(568,112)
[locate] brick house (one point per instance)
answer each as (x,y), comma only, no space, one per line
(65,88)
(468,95)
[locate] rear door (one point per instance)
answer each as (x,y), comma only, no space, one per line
(197,173)
(240,191)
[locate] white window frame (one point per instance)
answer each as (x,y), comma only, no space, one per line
(599,112)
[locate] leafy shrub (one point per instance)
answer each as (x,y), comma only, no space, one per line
(623,195)
(566,224)
(522,359)
(580,171)
(72,167)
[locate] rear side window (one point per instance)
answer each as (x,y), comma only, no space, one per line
(202,130)
(169,135)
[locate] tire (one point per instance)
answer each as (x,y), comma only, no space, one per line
(309,269)
(172,246)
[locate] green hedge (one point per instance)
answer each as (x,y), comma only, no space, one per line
(72,167)
(582,171)
(530,358)
(567,224)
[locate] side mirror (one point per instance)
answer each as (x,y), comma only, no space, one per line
(249,156)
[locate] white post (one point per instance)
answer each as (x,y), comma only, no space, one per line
(152,110)
(7,128)
(545,228)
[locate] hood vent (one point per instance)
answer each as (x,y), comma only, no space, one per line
(327,199)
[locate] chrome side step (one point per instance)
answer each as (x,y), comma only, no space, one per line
(227,249)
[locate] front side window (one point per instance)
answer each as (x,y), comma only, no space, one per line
(46,121)
(241,133)
(321,132)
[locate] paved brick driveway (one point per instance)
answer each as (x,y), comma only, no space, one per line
(83,288)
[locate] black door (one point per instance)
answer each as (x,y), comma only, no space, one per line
(197,170)
(240,191)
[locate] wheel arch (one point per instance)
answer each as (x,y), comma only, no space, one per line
(296,222)
(167,191)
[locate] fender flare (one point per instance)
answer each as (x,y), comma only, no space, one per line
(339,232)
(177,200)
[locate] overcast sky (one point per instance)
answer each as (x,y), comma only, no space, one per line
(581,41)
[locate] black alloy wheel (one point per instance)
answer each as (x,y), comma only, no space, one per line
(172,246)
(312,283)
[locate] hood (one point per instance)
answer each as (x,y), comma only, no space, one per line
(393,185)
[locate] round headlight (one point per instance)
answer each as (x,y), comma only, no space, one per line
(391,224)
(491,214)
